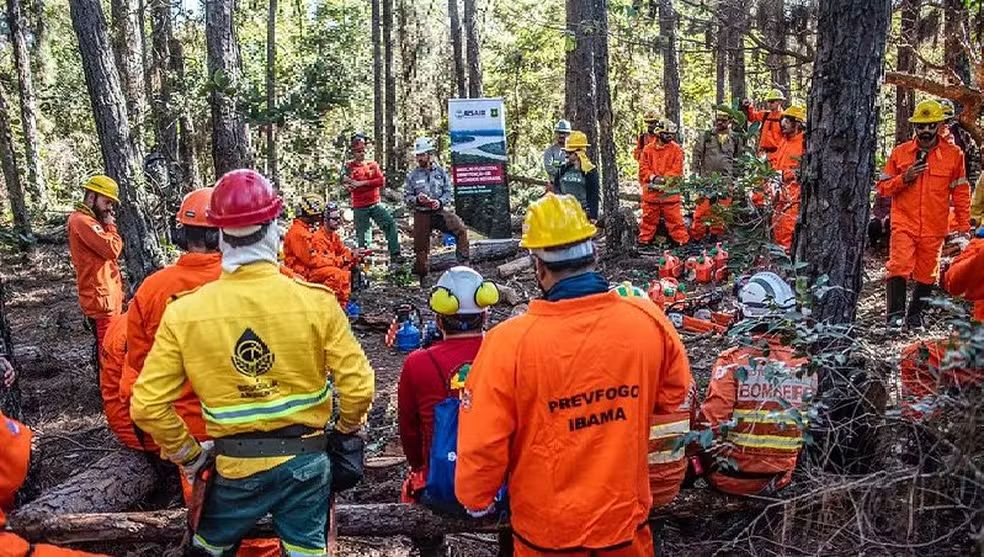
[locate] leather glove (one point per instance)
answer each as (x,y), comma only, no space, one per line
(192,468)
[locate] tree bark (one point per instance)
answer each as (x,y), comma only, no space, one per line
(905,99)
(481,251)
(378,95)
(372,520)
(580,89)
(474,59)
(840,151)
(671,66)
(777,38)
(28,106)
(129,66)
(606,125)
(113,484)
(271,94)
(461,86)
(187,150)
(955,25)
(10,397)
(737,27)
(141,247)
(165,116)
(720,62)
(390,90)
(230,144)
(11,175)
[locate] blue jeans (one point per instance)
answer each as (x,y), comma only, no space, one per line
(294,493)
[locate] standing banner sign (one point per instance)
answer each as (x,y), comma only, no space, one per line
(478,164)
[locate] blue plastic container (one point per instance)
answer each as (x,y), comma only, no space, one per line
(408,337)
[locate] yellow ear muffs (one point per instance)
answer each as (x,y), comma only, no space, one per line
(487,294)
(443,301)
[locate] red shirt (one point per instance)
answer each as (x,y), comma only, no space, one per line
(422,386)
(369,172)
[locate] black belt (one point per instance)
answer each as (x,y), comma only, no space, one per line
(282,442)
(622,545)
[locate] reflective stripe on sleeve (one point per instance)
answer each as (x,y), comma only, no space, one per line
(777,442)
(661,431)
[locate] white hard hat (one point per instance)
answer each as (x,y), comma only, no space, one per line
(669,127)
(423,145)
(765,294)
(563,126)
(461,290)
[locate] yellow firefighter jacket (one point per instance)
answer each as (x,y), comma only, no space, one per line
(258,349)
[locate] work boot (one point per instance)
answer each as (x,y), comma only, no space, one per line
(895,301)
(913,319)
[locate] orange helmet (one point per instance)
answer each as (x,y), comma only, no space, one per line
(192,211)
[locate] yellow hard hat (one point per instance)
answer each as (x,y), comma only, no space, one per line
(927,112)
(103,185)
(311,205)
(775,95)
(554,221)
(795,112)
(948,110)
(650,116)
(577,140)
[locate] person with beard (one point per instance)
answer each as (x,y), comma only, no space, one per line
(95,246)
(331,260)
(559,401)
(715,154)
(653,123)
(257,348)
(787,163)
(429,193)
(662,164)
(924,177)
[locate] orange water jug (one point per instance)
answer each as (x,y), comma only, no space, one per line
(669,265)
(704,270)
(655,293)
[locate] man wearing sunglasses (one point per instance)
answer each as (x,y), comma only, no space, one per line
(331,260)
(923,176)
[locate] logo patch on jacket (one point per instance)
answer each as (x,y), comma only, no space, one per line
(252,357)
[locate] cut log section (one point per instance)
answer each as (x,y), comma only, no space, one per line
(480,251)
(509,269)
(378,520)
(115,483)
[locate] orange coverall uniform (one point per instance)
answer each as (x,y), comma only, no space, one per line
(112,367)
(662,161)
(965,277)
(770,135)
(94,248)
(667,456)
(787,162)
(766,440)
(922,374)
(920,210)
(559,401)
(15,439)
(331,263)
(297,247)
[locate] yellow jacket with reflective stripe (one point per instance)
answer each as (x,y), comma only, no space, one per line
(258,349)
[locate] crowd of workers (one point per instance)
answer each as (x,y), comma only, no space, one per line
(227,362)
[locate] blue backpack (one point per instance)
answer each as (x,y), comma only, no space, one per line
(439,492)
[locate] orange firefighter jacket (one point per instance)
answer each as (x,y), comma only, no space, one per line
(644,139)
(765,398)
(965,277)
(770,135)
(297,247)
(558,400)
(786,161)
(922,209)
(328,250)
(112,367)
(667,457)
(663,160)
(94,248)
(15,439)
(922,372)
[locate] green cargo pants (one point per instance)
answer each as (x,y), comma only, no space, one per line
(383,219)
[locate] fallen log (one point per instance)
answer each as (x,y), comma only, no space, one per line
(116,482)
(376,520)
(509,269)
(481,251)
(509,295)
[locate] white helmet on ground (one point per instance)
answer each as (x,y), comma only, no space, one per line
(462,291)
(423,145)
(765,294)
(563,126)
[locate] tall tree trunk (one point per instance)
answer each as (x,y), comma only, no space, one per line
(390,93)
(720,62)
(955,23)
(10,399)
(11,173)
(614,226)
(141,246)
(125,26)
(165,118)
(671,66)
(456,48)
(187,150)
(271,94)
(28,105)
(472,40)
(840,150)
(905,98)
(776,37)
(230,144)
(580,77)
(146,63)
(378,78)
(737,27)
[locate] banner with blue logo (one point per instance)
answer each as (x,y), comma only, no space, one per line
(478,164)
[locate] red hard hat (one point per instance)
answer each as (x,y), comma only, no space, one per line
(193,207)
(243,198)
